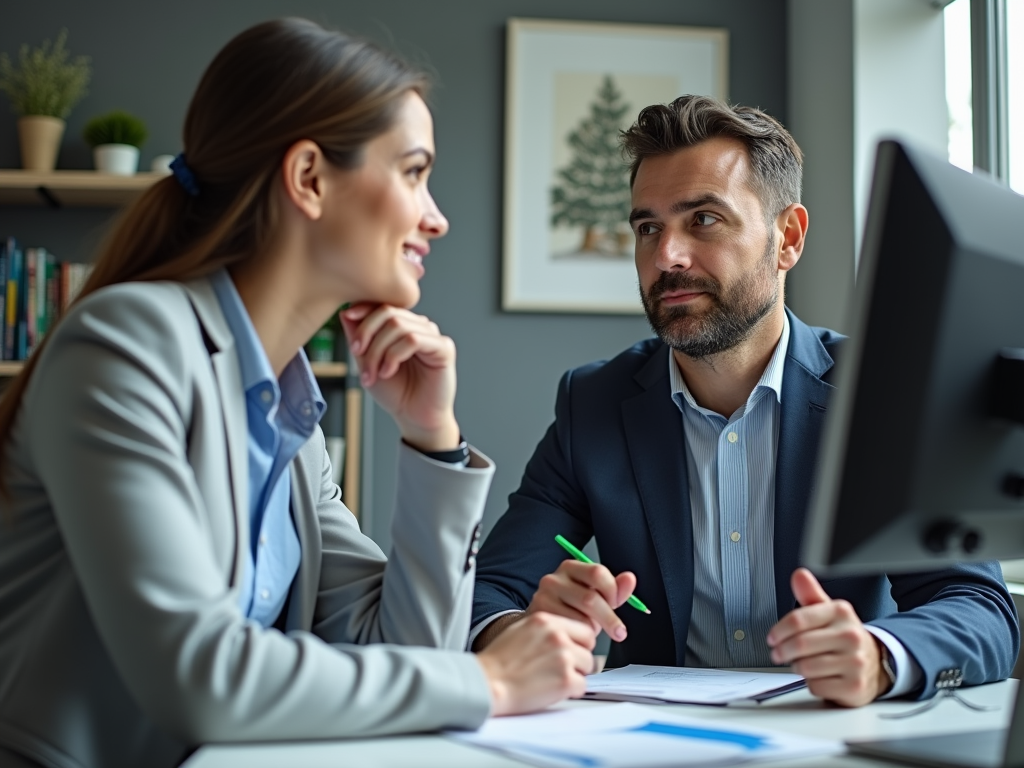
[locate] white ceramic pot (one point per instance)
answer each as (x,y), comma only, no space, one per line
(118,159)
(40,141)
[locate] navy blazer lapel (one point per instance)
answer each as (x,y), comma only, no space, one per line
(805,399)
(654,435)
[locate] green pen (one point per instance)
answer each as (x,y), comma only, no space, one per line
(568,547)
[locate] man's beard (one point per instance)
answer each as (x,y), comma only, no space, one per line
(732,317)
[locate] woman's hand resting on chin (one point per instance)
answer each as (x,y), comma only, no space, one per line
(408,367)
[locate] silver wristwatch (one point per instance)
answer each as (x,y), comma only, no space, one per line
(886,659)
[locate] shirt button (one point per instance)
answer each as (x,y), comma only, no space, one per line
(735,535)
(739,634)
(263,540)
(307,408)
(733,437)
(266,396)
(265,594)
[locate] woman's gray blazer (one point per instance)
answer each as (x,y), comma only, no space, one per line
(121,640)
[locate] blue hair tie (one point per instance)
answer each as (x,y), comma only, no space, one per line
(184,175)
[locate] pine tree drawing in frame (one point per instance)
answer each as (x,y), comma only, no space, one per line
(593,189)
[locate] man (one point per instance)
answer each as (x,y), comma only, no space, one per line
(690,456)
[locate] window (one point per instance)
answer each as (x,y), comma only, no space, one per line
(1015,91)
(957,18)
(985,86)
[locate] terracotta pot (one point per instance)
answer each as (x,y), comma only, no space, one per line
(40,141)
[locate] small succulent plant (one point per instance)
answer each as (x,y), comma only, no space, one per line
(115,128)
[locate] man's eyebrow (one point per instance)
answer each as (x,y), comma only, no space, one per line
(682,206)
(640,213)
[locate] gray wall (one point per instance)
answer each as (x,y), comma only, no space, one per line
(821,118)
(148,57)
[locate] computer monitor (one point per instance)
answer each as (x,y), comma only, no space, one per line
(922,458)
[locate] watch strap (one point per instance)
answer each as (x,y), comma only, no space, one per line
(885,658)
(458,455)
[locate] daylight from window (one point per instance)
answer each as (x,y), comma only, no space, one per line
(1015,89)
(958,83)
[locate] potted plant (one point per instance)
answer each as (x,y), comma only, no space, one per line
(115,139)
(43,87)
(323,347)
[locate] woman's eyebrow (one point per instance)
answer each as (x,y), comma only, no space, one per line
(420,150)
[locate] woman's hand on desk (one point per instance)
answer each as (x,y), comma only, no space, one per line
(408,367)
(539,660)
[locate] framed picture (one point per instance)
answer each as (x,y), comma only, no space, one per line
(571,87)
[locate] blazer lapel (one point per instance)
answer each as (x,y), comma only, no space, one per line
(226,369)
(805,399)
(654,435)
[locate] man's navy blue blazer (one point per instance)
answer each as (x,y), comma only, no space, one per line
(612,466)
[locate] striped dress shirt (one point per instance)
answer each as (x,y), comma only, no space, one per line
(731,472)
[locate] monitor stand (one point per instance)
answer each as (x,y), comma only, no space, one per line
(997,748)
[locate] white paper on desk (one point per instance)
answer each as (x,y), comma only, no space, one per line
(632,736)
(688,685)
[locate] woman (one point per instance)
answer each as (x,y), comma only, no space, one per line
(169,514)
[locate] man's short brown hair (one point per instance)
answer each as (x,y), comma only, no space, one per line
(776,161)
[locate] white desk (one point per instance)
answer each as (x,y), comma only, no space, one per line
(798,713)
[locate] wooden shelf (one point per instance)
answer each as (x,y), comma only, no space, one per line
(329,370)
(58,189)
(9,368)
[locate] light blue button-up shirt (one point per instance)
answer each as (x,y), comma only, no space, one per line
(282,415)
(731,470)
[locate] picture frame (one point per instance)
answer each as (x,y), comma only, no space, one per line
(570,87)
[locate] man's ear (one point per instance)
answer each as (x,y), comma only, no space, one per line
(792,224)
(302,177)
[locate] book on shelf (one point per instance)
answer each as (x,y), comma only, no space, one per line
(40,263)
(3,297)
(35,291)
(14,262)
(21,320)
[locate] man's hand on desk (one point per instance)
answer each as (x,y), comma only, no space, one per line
(826,642)
(538,660)
(585,592)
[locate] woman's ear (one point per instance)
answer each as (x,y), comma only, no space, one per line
(302,177)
